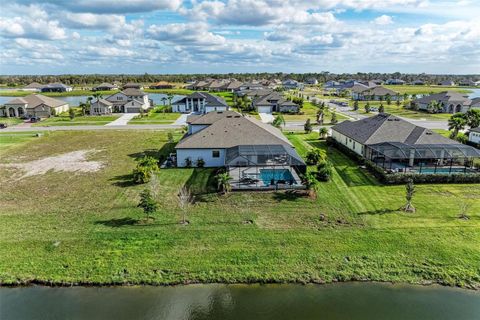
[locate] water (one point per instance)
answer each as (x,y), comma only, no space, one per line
(352,301)
(76,100)
(475,93)
(276,174)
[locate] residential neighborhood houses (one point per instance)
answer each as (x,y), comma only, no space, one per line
(34,105)
(274,102)
(447,102)
(130,100)
(200,102)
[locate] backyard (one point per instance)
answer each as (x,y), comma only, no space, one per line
(400,111)
(85,227)
(310,112)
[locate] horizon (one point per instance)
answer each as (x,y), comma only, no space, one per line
(240,36)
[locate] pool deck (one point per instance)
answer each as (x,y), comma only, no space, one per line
(239,181)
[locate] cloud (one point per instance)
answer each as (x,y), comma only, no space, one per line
(383,20)
(92,21)
(194,34)
(28,27)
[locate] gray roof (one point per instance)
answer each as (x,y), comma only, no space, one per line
(133,92)
(210,117)
(385,127)
(34,100)
(106,85)
(271,99)
(234,131)
(477,129)
(105,102)
(34,85)
(210,99)
(445,97)
(56,85)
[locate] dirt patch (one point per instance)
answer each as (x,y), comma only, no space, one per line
(75,161)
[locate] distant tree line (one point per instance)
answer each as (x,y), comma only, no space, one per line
(322,77)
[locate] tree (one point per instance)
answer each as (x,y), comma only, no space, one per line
(409,192)
(321,113)
(170,137)
(325,170)
(381,109)
(147,203)
(314,156)
(144,169)
(456,123)
(367,107)
(398,102)
(355,105)
(388,98)
(185,198)
(472,118)
(278,121)
(405,96)
(97,95)
(308,126)
(323,132)
(223,182)
(164,99)
(170,98)
(83,107)
(309,180)
(334,119)
(71,113)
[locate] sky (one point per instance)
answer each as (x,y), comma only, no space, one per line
(213,36)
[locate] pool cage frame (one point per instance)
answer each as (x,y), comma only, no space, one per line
(417,158)
(244,163)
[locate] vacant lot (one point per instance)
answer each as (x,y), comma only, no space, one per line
(401,111)
(310,112)
(424,89)
(64,120)
(75,227)
(156,118)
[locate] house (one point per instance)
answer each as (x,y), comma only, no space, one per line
(292,84)
(447,83)
(101,107)
(130,101)
(35,105)
(397,145)
(256,155)
(200,85)
(56,87)
(449,101)
(200,102)
(376,93)
(474,135)
(132,85)
(417,83)
(34,86)
(105,87)
(311,81)
(161,85)
(274,102)
(233,86)
(395,82)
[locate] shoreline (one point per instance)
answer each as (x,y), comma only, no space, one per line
(54,284)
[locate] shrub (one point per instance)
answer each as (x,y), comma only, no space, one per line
(144,169)
(200,163)
(314,156)
(188,162)
(325,170)
(309,179)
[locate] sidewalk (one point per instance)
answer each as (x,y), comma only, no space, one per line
(266,117)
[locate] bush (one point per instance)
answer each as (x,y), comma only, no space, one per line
(314,156)
(325,170)
(144,169)
(188,162)
(200,163)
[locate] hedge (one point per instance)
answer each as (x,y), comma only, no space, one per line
(402,178)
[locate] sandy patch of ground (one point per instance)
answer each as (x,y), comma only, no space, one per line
(75,161)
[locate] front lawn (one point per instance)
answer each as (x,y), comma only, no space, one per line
(156,118)
(64,120)
(63,227)
(10,121)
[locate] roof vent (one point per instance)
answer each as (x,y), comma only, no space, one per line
(237,116)
(429,133)
(229,116)
(389,119)
(396,119)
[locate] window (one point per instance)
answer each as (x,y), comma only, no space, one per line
(353,144)
(215,154)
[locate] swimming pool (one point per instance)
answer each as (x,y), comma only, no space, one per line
(442,171)
(284,175)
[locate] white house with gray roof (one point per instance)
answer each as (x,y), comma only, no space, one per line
(130,100)
(274,102)
(200,102)
(450,102)
(395,144)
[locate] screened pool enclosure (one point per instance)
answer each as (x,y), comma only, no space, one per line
(264,167)
(423,158)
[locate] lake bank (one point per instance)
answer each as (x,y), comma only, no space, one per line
(353,301)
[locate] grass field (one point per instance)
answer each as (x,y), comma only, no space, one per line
(310,112)
(64,120)
(424,89)
(401,111)
(11,140)
(86,228)
(156,118)
(10,121)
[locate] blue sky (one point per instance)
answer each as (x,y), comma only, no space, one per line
(213,36)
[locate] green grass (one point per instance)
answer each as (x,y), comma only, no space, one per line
(11,140)
(156,118)
(310,112)
(401,111)
(424,89)
(86,227)
(10,121)
(79,120)
(178,91)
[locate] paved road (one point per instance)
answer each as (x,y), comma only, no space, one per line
(123,120)
(81,128)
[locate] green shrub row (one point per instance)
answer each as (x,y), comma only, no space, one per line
(402,178)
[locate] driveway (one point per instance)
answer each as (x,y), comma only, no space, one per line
(123,120)
(182,120)
(266,117)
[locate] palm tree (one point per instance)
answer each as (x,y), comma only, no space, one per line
(164,100)
(223,182)
(278,121)
(323,132)
(457,122)
(170,97)
(83,107)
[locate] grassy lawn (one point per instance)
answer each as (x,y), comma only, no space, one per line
(310,112)
(11,140)
(156,118)
(85,227)
(424,89)
(10,121)
(179,91)
(64,120)
(401,111)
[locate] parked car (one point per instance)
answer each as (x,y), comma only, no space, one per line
(3,125)
(34,119)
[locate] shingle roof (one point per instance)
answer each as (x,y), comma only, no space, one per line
(106,85)
(34,100)
(234,131)
(388,128)
(210,117)
(133,92)
(105,102)
(477,129)
(445,97)
(33,85)
(210,99)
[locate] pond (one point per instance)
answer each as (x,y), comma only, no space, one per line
(76,100)
(353,301)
